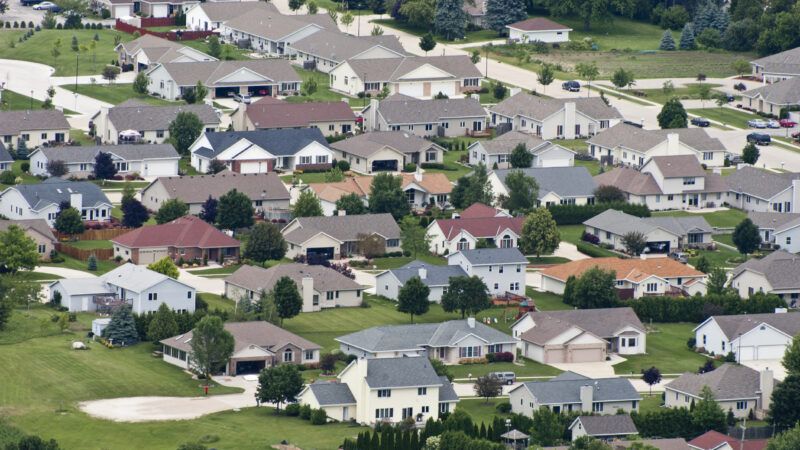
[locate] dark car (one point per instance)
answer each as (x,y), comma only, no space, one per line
(29,2)
(701,122)
(572,86)
(759,138)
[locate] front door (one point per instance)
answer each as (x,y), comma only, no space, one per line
(345,413)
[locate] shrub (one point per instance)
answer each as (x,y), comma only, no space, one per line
(434,165)
(500,357)
(319,417)
(305,412)
(410,167)
(691,343)
(26,166)
(590,238)
(292,409)
(8,177)
(343,165)
(577,214)
(503,408)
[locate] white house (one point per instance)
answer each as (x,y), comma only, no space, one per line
(145,160)
(209,16)
(777,273)
(151,122)
(267,31)
(6,160)
(42,200)
(751,337)
(557,185)
(498,151)
(451,117)
(538,29)
(752,189)
(35,127)
(437,278)
(386,151)
(501,269)
(143,289)
(462,233)
(779,229)
(736,388)
(664,234)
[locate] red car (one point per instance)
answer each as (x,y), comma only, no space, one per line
(786,123)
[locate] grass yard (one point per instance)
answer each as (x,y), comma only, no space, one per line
(116,93)
(229,52)
(571,233)
(453,169)
(324,92)
(691,91)
(721,257)
(185,167)
(471,36)
(12,101)
(725,239)
(728,116)
(80,137)
(103,266)
(400,261)
(91,245)
(546,301)
(227,270)
(666,350)
(592,166)
(650,403)
(480,410)
(310,177)
(215,301)
(37,49)
(529,369)
(721,219)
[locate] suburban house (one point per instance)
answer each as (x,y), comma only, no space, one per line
(188,238)
(6,160)
(267,192)
(388,390)
(386,151)
(450,342)
(38,230)
(269,32)
(329,193)
(554,118)
(476,13)
(779,229)
(714,440)
(557,185)
(257,345)
(604,428)
(326,49)
(223,79)
(633,146)
(478,210)
(141,288)
(149,160)
(148,50)
(117,9)
(635,277)
(42,200)
(320,287)
(664,234)
(210,16)
(498,151)
(772,98)
(269,113)
(462,233)
(437,278)
(751,337)
(573,392)
(263,150)
(430,117)
(414,76)
(736,388)
(777,67)
(777,273)
(501,269)
(668,182)
(579,335)
(339,236)
(752,189)
(164,8)
(36,127)
(538,29)
(115,125)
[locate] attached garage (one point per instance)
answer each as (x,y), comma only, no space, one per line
(447,88)
(658,247)
(414,89)
(580,355)
(254,167)
(121,11)
(316,255)
(770,351)
(554,355)
(250,367)
(226,92)
(160,168)
(260,91)
(150,255)
(747,353)
(384,165)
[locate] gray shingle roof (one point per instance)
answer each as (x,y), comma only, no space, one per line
(259,279)
(260,333)
(759,183)
(774,221)
(435,275)
(618,424)
(734,325)
(727,382)
(447,392)
(335,46)
(128,152)
(136,278)
(222,11)
(786,92)
(283,142)
(366,144)
(401,372)
(563,181)
(5,156)
(197,188)
(344,228)
(130,116)
(540,108)
(400,109)
(604,322)
(15,122)
(678,166)
(640,139)
(54,191)
(39,225)
(786,62)
(560,391)
(485,256)
(505,143)
(393,69)
(331,393)
(210,72)
(780,268)
(274,26)
(620,223)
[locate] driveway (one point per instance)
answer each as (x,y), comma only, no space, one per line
(365,279)
(202,284)
(64,272)
(775,365)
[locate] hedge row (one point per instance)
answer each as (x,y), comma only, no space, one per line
(699,308)
(577,214)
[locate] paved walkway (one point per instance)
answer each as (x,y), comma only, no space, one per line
(63,272)
(569,251)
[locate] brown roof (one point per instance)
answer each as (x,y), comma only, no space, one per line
(604,322)
(38,225)
(434,182)
(274,26)
(538,24)
(184,232)
(367,144)
(712,440)
(540,108)
(678,166)
(343,228)
(197,188)
(15,122)
(476,210)
(259,279)
(631,269)
(393,69)
(261,334)
(629,180)
(272,114)
(210,72)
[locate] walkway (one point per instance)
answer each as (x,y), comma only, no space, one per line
(63,272)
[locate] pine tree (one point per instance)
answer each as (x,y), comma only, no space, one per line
(122,328)
(451,20)
(721,20)
(667,42)
(92,263)
(500,13)
(687,38)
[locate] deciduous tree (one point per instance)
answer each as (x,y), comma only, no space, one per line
(288,301)
(171,210)
(351,204)
(707,414)
(488,387)
(635,242)
(17,250)
(608,193)
(165,266)
(546,75)
(212,345)
(651,376)
(215,166)
(540,234)
(791,358)
(472,189)
(413,298)
(596,288)
(468,295)
(184,130)
(134,214)
(56,168)
(307,205)
(68,221)
(547,429)
(746,237)
(208,212)
(235,210)
(265,242)
(387,196)
(140,83)
(523,192)
(279,384)
(750,153)
(104,166)
(414,238)
(427,42)
(589,11)
(589,72)
(672,115)
(520,157)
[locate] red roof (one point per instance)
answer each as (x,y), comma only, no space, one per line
(480,227)
(712,439)
(479,210)
(538,24)
(186,232)
(281,114)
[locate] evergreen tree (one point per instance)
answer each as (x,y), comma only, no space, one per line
(209,210)
(140,83)
(673,115)
(750,153)
(22,150)
(104,168)
(523,192)
(121,330)
(450,19)
(91,263)
(746,237)
(427,43)
(500,13)
(413,298)
(667,42)
(520,157)
(264,243)
(163,325)
(235,210)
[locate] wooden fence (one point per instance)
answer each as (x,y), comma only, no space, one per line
(102,254)
(94,235)
(169,35)
(157,22)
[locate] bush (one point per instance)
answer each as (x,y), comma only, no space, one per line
(410,167)
(577,214)
(698,308)
(305,412)
(590,238)
(7,177)
(503,408)
(105,13)
(500,357)
(26,166)
(319,417)
(343,165)
(691,343)
(590,250)
(292,409)
(433,165)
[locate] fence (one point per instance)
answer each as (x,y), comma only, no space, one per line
(752,433)
(83,254)
(94,235)
(169,35)
(145,22)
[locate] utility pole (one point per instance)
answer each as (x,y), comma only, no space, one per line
(77,56)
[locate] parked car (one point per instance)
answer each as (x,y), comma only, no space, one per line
(701,122)
(47,6)
(29,2)
(505,377)
(759,138)
(740,87)
(786,123)
(773,124)
(242,98)
(729,97)
(572,86)
(756,123)
(681,257)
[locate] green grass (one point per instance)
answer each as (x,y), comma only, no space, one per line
(37,276)
(573,233)
(720,219)
(37,49)
(80,137)
(691,91)
(323,93)
(91,245)
(116,93)
(529,369)
(14,101)
(454,170)
(721,257)
(547,260)
(227,270)
(311,177)
(726,116)
(215,301)
(103,266)
(724,238)
(480,410)
(650,403)
(592,166)
(400,261)
(229,52)
(546,301)
(185,167)
(666,350)
(471,36)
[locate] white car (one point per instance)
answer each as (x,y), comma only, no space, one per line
(756,123)
(773,124)
(46,6)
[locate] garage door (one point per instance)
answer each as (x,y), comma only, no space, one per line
(160,168)
(554,356)
(555,162)
(253,167)
(771,351)
(121,11)
(248,367)
(448,88)
(317,255)
(412,89)
(384,165)
(151,255)
(747,353)
(586,355)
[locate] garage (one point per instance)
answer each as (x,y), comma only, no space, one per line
(254,167)
(384,165)
(226,92)
(249,367)
(554,355)
(658,247)
(747,353)
(447,88)
(121,11)
(317,255)
(260,91)
(160,168)
(580,355)
(770,351)
(151,255)
(412,89)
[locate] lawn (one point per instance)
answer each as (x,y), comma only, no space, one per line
(573,233)
(229,52)
(666,350)
(650,403)
(311,177)
(472,36)
(721,257)
(728,116)
(592,166)
(480,410)
(215,301)
(116,93)
(227,270)
(15,101)
(103,266)
(721,219)
(453,169)
(185,167)
(323,93)
(725,239)
(546,301)
(80,137)
(691,91)
(529,369)
(400,261)
(37,49)
(91,245)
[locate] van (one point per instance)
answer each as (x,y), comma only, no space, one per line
(505,377)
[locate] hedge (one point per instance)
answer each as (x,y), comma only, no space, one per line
(500,357)
(699,308)
(577,214)
(592,250)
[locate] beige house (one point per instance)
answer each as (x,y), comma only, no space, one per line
(35,127)
(772,98)
(325,238)
(39,231)
(777,67)
(150,121)
(326,49)
(431,117)
(332,118)
(148,50)
(777,273)
(386,151)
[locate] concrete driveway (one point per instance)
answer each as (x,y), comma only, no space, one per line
(775,365)
(202,284)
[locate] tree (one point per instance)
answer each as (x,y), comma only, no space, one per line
(703,264)
(104,168)
(717,279)
(110,73)
(56,168)
(163,325)
(740,66)
(488,386)
(589,72)
(140,83)
(499,90)
(414,238)
(746,237)
(540,234)
(387,196)
(121,330)
(376,31)
(49,20)
(184,130)
(294,5)
(310,86)
(450,20)
(235,210)
(288,301)
(545,75)
(608,193)
(441,369)
(171,210)
(413,298)
(212,345)
(68,221)
(74,44)
(635,242)
(91,263)
(165,266)
(134,214)
(710,38)
(347,19)
(788,440)
(667,42)
(750,153)
(265,242)
(279,384)
(467,295)
(327,363)
(208,212)
(596,288)
(588,443)
(520,157)
(651,376)
(215,166)
(621,78)
(17,250)
(370,245)
(703,93)
(500,13)
(22,149)
(523,192)
(307,205)
(589,11)
(351,204)
(214,47)
(472,189)
(791,358)
(427,42)
(707,414)
(672,115)
(547,429)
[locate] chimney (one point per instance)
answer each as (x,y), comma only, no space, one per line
(341,212)
(418,175)
(423,273)
(766,383)
(672,143)
(76,200)
(307,285)
(587,398)
(362,367)
(569,120)
(471,322)
(372,116)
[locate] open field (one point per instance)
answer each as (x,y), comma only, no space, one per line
(472,36)
(666,350)
(691,91)
(14,101)
(116,93)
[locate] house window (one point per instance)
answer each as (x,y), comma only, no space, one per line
(463,244)
(469,352)
(495,348)
(428,126)
(407,412)
(384,413)
(788,240)
(395,127)
(288,355)
(393,242)
(506,242)
(331,127)
(329,295)
(411,194)
(688,181)
(742,404)
(188,294)
(308,354)
(708,156)
(315,300)
(152,296)
(322,159)
(560,130)
(384,393)
(430,155)
(305,160)
(723,345)
(42,248)
(652,287)
(444,407)
(422,391)
(496,286)
(500,269)
(159,133)
(426,409)
(597,407)
(631,342)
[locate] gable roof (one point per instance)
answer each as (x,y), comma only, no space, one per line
(561,390)
(608,425)
(786,62)
(128,152)
(274,26)
(486,256)
(629,180)
(281,142)
(271,114)
(434,275)
(336,46)
(393,69)
(777,222)
(619,223)
(259,279)
(736,324)
(161,50)
(15,122)
(134,115)
(366,144)
(344,228)
(727,382)
(575,181)
(258,333)
(676,166)
(330,393)
(400,372)
(712,440)
(399,109)
(479,227)
(197,188)
(479,210)
(759,183)
(431,182)
(187,232)
(540,108)
(136,278)
(538,24)
(210,72)
(786,92)
(642,140)
(545,331)
(223,11)
(603,322)
(505,143)
(38,225)
(633,269)
(5,156)
(780,268)
(53,191)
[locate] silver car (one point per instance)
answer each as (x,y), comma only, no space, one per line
(505,377)
(756,123)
